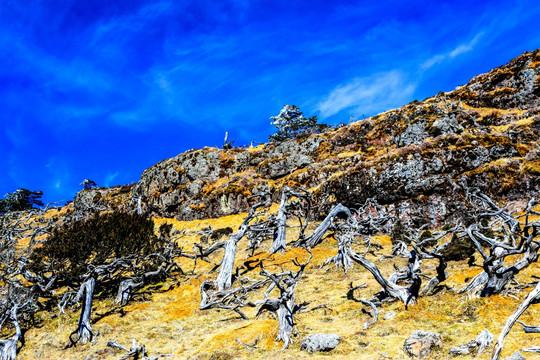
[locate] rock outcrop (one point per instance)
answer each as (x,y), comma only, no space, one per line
(419,158)
(320,342)
(422,343)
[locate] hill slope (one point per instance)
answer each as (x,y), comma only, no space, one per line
(420,157)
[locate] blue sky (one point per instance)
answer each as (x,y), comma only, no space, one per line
(104,89)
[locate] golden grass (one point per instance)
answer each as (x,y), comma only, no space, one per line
(169,320)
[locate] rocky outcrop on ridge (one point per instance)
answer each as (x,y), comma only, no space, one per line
(419,158)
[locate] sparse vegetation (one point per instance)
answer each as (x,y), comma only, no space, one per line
(416,235)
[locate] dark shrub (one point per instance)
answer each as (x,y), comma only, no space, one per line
(73,247)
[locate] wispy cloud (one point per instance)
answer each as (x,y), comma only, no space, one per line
(368,95)
(450,54)
(110,177)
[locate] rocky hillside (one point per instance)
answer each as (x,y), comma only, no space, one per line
(419,157)
(196,289)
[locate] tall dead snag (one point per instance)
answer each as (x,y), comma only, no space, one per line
(532,298)
(8,347)
(284,306)
(224,279)
(504,236)
(84,330)
(279,243)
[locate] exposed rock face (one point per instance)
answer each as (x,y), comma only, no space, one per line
(414,134)
(99,199)
(320,342)
(418,158)
(514,85)
(422,343)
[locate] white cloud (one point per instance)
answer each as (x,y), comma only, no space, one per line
(368,95)
(458,50)
(109,178)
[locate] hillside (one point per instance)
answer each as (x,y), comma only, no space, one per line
(414,166)
(483,134)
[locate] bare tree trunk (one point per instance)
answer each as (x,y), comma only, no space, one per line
(533,297)
(284,306)
(343,256)
(475,286)
(224,279)
(279,243)
(84,330)
(280,233)
(285,317)
(315,238)
(125,291)
(392,289)
(8,347)
(442,275)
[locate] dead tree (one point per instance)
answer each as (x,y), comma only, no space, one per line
(529,329)
(230,299)
(21,289)
(224,279)
(482,341)
(159,265)
(515,241)
(390,288)
(225,276)
(366,221)
(343,257)
(315,238)
(136,352)
(284,306)
(84,332)
(532,298)
(8,347)
(280,233)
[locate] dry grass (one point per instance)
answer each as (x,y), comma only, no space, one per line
(168,319)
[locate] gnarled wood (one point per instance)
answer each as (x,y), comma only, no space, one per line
(315,238)
(534,296)
(224,279)
(84,330)
(390,288)
(280,233)
(8,347)
(284,306)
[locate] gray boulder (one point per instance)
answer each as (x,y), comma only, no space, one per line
(320,342)
(446,125)
(516,356)
(422,343)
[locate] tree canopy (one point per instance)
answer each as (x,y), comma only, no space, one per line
(291,123)
(20,199)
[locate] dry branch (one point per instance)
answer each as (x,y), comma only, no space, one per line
(533,297)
